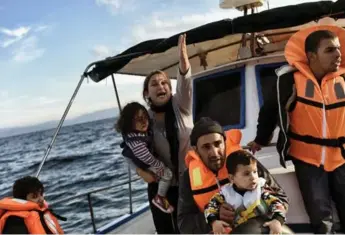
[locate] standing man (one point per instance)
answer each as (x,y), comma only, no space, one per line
(310,111)
(206,173)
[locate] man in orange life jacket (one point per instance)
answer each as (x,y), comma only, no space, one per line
(310,111)
(27,212)
(206,172)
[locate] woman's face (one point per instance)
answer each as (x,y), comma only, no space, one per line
(159,89)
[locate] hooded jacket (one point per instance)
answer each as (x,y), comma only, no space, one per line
(310,116)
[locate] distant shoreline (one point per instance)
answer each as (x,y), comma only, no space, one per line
(50,125)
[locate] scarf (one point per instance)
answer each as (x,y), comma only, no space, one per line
(171,131)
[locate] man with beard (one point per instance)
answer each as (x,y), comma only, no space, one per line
(206,173)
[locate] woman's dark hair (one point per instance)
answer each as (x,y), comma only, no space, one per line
(147,81)
(239,157)
(124,124)
(23,186)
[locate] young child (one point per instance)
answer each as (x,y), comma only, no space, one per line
(27,212)
(248,194)
(134,125)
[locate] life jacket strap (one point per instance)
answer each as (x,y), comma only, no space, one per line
(335,143)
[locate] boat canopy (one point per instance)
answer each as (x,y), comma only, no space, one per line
(218,43)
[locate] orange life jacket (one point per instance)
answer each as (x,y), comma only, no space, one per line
(31,213)
(317,122)
(204,182)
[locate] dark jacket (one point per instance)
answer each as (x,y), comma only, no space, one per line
(274,112)
(191,220)
(15,225)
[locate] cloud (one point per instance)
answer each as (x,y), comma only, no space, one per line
(13,35)
(28,50)
(41,101)
(101,51)
(115,6)
(162,24)
(23,41)
(19,32)
(42,28)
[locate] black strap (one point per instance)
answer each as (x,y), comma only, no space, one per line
(59,217)
(210,188)
(320,105)
(335,143)
(43,222)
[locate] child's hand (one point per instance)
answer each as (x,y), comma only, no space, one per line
(147,176)
(220,227)
(275,226)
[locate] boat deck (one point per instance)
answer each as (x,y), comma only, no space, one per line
(142,224)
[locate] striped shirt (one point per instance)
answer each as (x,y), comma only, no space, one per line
(141,151)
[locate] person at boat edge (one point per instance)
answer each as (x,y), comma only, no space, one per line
(309,111)
(172,122)
(249,195)
(134,126)
(27,212)
(206,173)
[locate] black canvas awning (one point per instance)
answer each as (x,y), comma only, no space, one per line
(220,40)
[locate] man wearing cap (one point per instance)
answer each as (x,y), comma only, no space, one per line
(206,173)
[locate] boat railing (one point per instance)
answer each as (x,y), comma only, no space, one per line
(89,193)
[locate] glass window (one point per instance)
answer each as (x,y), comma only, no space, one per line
(221,96)
(266,80)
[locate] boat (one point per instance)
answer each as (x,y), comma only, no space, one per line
(233,63)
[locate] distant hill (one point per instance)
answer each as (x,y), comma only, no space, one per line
(89,117)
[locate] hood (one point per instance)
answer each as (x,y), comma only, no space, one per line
(296,56)
(232,142)
(15,204)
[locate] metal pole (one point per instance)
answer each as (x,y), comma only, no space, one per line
(60,125)
(116,92)
(91,213)
(129,167)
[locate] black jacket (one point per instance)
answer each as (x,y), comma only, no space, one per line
(275,112)
(15,225)
(189,218)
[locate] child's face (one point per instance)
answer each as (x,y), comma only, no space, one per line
(36,197)
(141,121)
(246,177)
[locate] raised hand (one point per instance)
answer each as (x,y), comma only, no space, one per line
(183,55)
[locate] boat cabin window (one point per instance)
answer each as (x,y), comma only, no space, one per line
(266,80)
(221,96)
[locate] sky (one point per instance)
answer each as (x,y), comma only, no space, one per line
(46,45)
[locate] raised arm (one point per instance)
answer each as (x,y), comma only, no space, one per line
(184,84)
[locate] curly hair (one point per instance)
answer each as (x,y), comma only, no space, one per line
(124,124)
